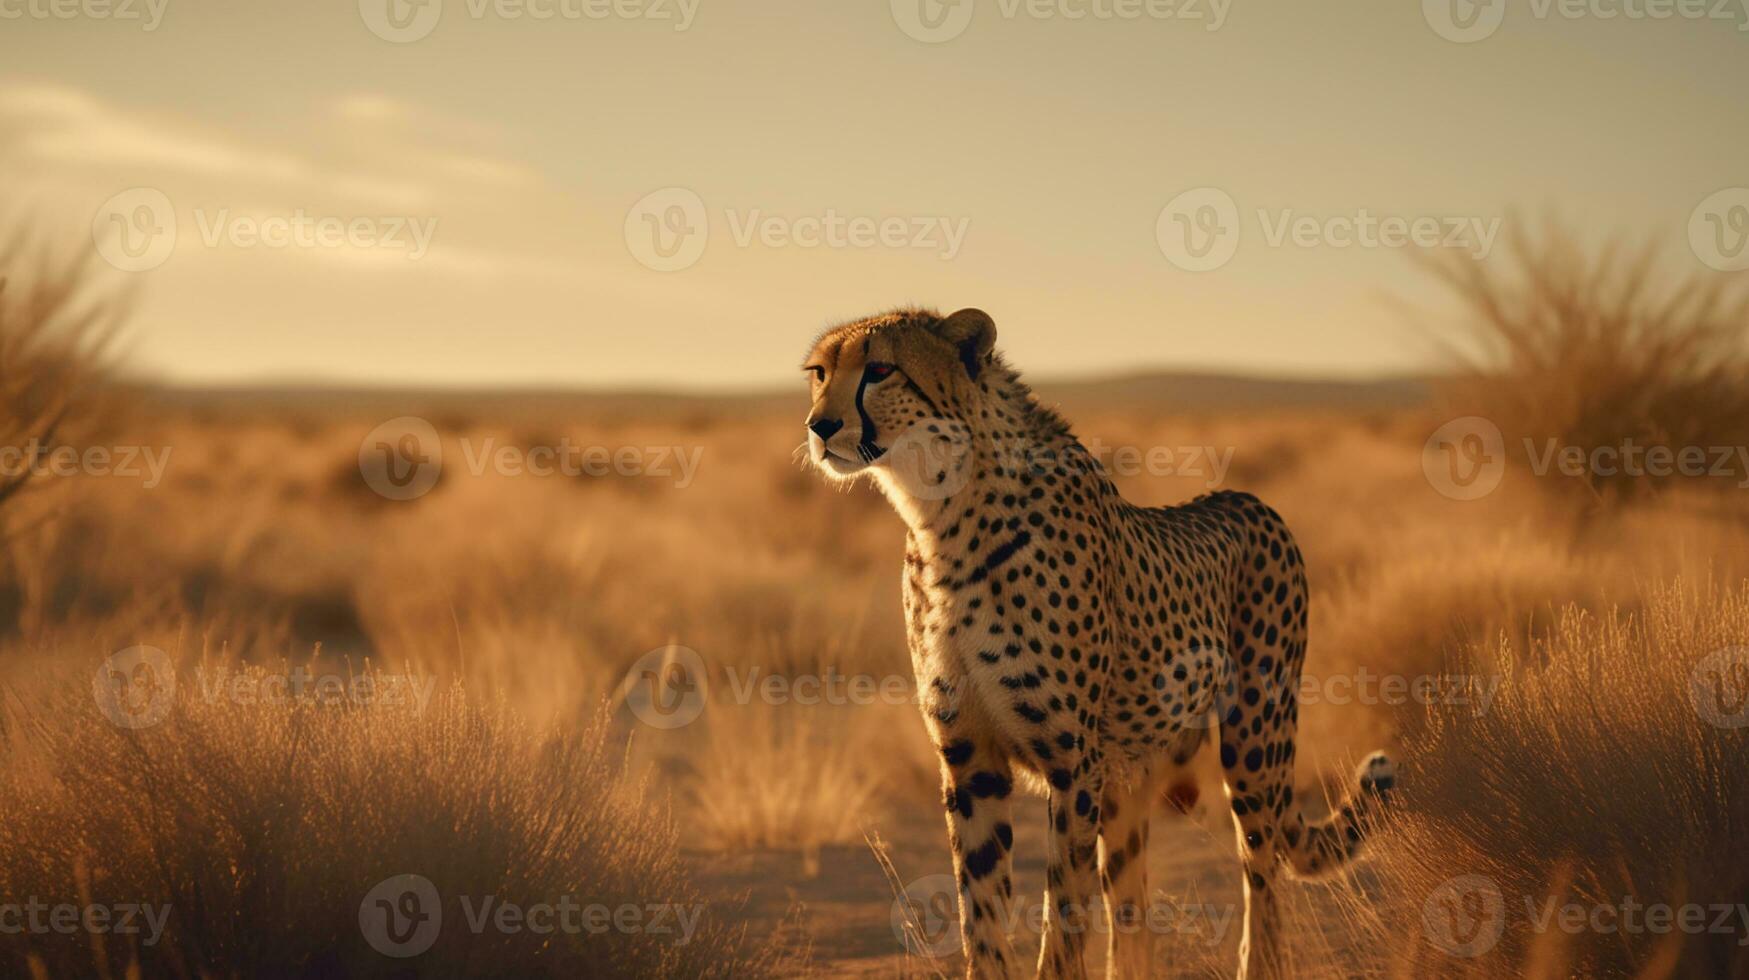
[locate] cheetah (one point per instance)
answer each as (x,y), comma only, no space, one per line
(1073,643)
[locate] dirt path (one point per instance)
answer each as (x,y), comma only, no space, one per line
(843,907)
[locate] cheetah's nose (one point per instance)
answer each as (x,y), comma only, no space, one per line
(825,428)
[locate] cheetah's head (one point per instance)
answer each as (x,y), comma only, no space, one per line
(894,397)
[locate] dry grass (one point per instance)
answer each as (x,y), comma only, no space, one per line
(260,827)
(529,599)
(1599,775)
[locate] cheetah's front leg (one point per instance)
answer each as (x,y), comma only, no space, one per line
(976,785)
(1072,876)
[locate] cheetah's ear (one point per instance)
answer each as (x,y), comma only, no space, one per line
(973,334)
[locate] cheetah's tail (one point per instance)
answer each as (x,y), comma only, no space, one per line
(1315,848)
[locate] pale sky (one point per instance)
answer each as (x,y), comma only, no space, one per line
(485,185)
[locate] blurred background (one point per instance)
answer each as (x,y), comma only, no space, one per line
(522,135)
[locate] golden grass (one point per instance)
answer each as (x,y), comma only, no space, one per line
(529,600)
(1609,770)
(262,825)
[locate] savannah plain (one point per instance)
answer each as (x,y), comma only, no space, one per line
(626,652)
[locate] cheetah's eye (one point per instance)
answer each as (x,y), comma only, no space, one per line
(817,371)
(878,371)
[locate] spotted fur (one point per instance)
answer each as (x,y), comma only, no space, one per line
(1065,638)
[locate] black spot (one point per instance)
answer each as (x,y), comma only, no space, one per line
(957,753)
(981,862)
(960,800)
(987,784)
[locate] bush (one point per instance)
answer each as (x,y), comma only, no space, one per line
(1606,773)
(263,826)
(54,324)
(1597,350)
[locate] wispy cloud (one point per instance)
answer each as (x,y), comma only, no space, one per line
(66,128)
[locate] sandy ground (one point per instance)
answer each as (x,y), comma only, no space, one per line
(841,904)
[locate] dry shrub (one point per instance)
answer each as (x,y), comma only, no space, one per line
(1599,774)
(55,322)
(1597,350)
(264,824)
